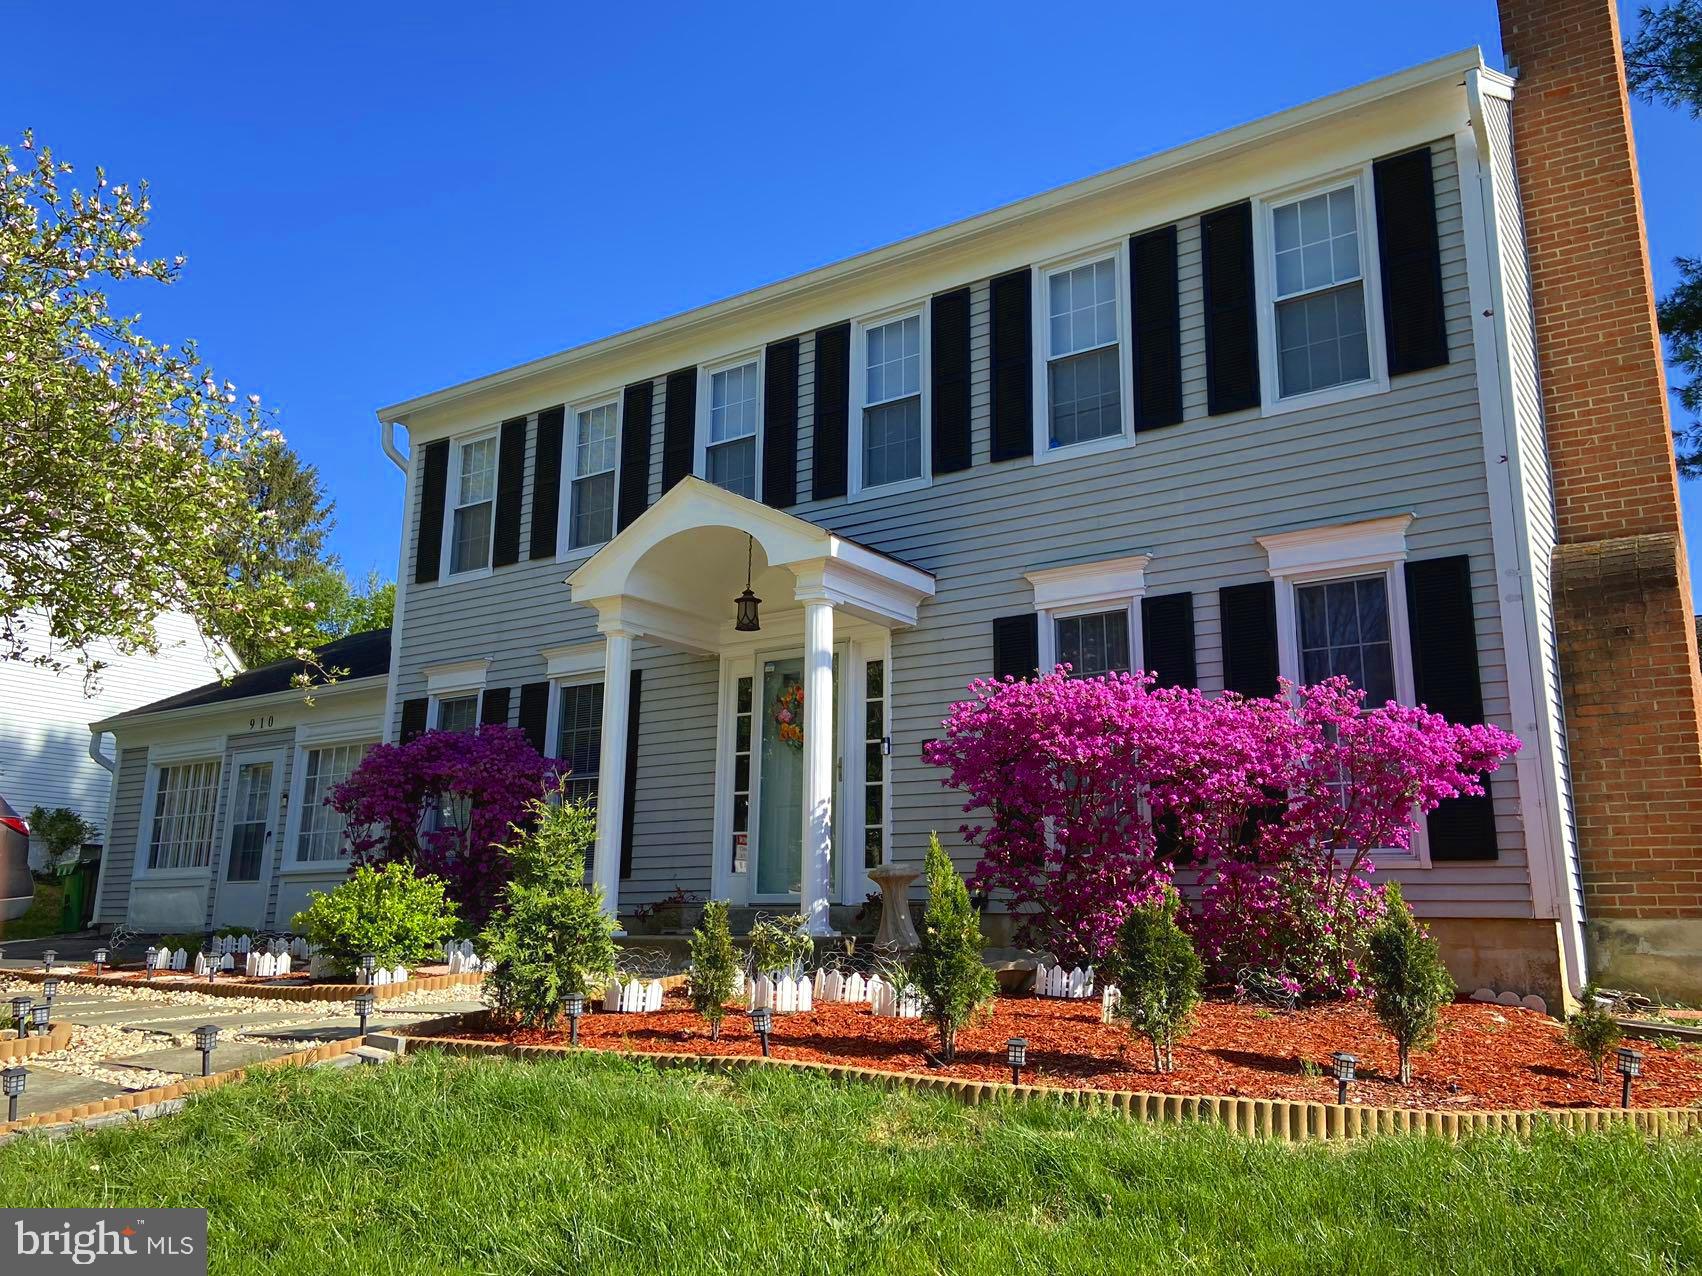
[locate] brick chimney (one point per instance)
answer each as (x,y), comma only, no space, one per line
(1628,644)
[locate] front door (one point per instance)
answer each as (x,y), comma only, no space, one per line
(780,777)
(249,840)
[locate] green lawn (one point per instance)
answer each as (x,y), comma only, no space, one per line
(43,918)
(442,1165)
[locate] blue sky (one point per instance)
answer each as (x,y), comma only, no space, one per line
(380,200)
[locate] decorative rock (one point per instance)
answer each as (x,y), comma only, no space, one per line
(1507,999)
(1534,1002)
(1484,994)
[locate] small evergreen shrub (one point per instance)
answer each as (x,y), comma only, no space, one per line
(549,938)
(780,946)
(1157,972)
(1409,983)
(714,966)
(392,912)
(947,969)
(1592,1029)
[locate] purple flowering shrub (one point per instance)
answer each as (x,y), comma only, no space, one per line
(445,803)
(1094,789)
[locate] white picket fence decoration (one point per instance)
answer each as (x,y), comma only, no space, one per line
(299,949)
(200,964)
(833,985)
(633,997)
(1109,1000)
(783,995)
(888,1003)
(1055,981)
(180,960)
(461,963)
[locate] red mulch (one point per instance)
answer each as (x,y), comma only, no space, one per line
(1486,1056)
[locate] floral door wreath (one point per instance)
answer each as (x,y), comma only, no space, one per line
(788,715)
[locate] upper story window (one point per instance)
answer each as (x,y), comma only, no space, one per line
(1082,346)
(735,408)
(891,447)
(473,501)
(595,454)
(1095,644)
(185,799)
(457,713)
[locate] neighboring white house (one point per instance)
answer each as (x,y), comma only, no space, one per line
(47,756)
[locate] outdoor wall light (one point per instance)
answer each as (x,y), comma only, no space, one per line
(42,1013)
(100,959)
(149,958)
(1345,1063)
(206,1037)
(1016,1054)
(1630,1065)
(363,1008)
(21,1015)
(762,1019)
(367,962)
(12,1082)
(47,960)
(575,1006)
(747,603)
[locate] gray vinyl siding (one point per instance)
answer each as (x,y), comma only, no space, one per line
(1193,495)
(118,857)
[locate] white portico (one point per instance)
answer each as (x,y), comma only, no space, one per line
(672,578)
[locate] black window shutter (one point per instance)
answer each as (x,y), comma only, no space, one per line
(636,406)
(1247,617)
(1011,299)
(510,483)
(535,713)
(1414,327)
(679,427)
(780,424)
(1016,645)
(1232,331)
(1155,293)
(546,483)
(833,406)
(1446,679)
(434,490)
(948,340)
(493,708)
(413,719)
(630,798)
(1167,639)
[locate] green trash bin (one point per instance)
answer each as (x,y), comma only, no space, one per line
(79,894)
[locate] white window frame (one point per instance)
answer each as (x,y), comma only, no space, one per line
(1117,252)
(1264,281)
(566,552)
(455,681)
(1348,551)
(160,757)
(705,385)
(452,502)
(1087,589)
(572,665)
(860,393)
(307,742)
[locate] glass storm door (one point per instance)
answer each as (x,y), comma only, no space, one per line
(780,799)
(244,884)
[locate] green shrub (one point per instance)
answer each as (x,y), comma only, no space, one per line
(1157,973)
(1592,1029)
(62,831)
(714,965)
(391,912)
(780,946)
(947,969)
(549,938)
(1409,983)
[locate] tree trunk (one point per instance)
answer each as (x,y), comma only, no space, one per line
(1157,1055)
(948,1043)
(715,1030)
(1406,1065)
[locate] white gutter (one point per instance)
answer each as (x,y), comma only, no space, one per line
(190,712)
(387,439)
(111,814)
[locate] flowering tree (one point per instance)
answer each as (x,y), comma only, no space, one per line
(444,803)
(1094,787)
(123,492)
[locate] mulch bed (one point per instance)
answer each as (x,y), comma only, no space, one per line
(1486,1057)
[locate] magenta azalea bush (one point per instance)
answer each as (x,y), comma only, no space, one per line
(1098,792)
(445,803)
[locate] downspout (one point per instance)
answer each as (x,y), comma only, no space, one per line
(111,769)
(387,440)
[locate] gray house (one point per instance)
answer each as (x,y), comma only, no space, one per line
(1261,405)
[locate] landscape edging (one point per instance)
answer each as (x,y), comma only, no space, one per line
(1288,1120)
(300,992)
(57,1037)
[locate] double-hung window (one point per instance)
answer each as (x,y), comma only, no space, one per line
(473,504)
(457,713)
(321,835)
(730,440)
(892,445)
(185,799)
(1094,644)
(1344,630)
(1082,343)
(595,444)
(579,738)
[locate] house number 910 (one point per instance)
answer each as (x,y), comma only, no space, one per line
(262,722)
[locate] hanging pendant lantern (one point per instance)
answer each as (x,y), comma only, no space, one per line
(747,602)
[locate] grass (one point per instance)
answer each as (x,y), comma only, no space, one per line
(592,1164)
(42,919)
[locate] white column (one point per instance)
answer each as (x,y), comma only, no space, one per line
(818,765)
(611,766)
